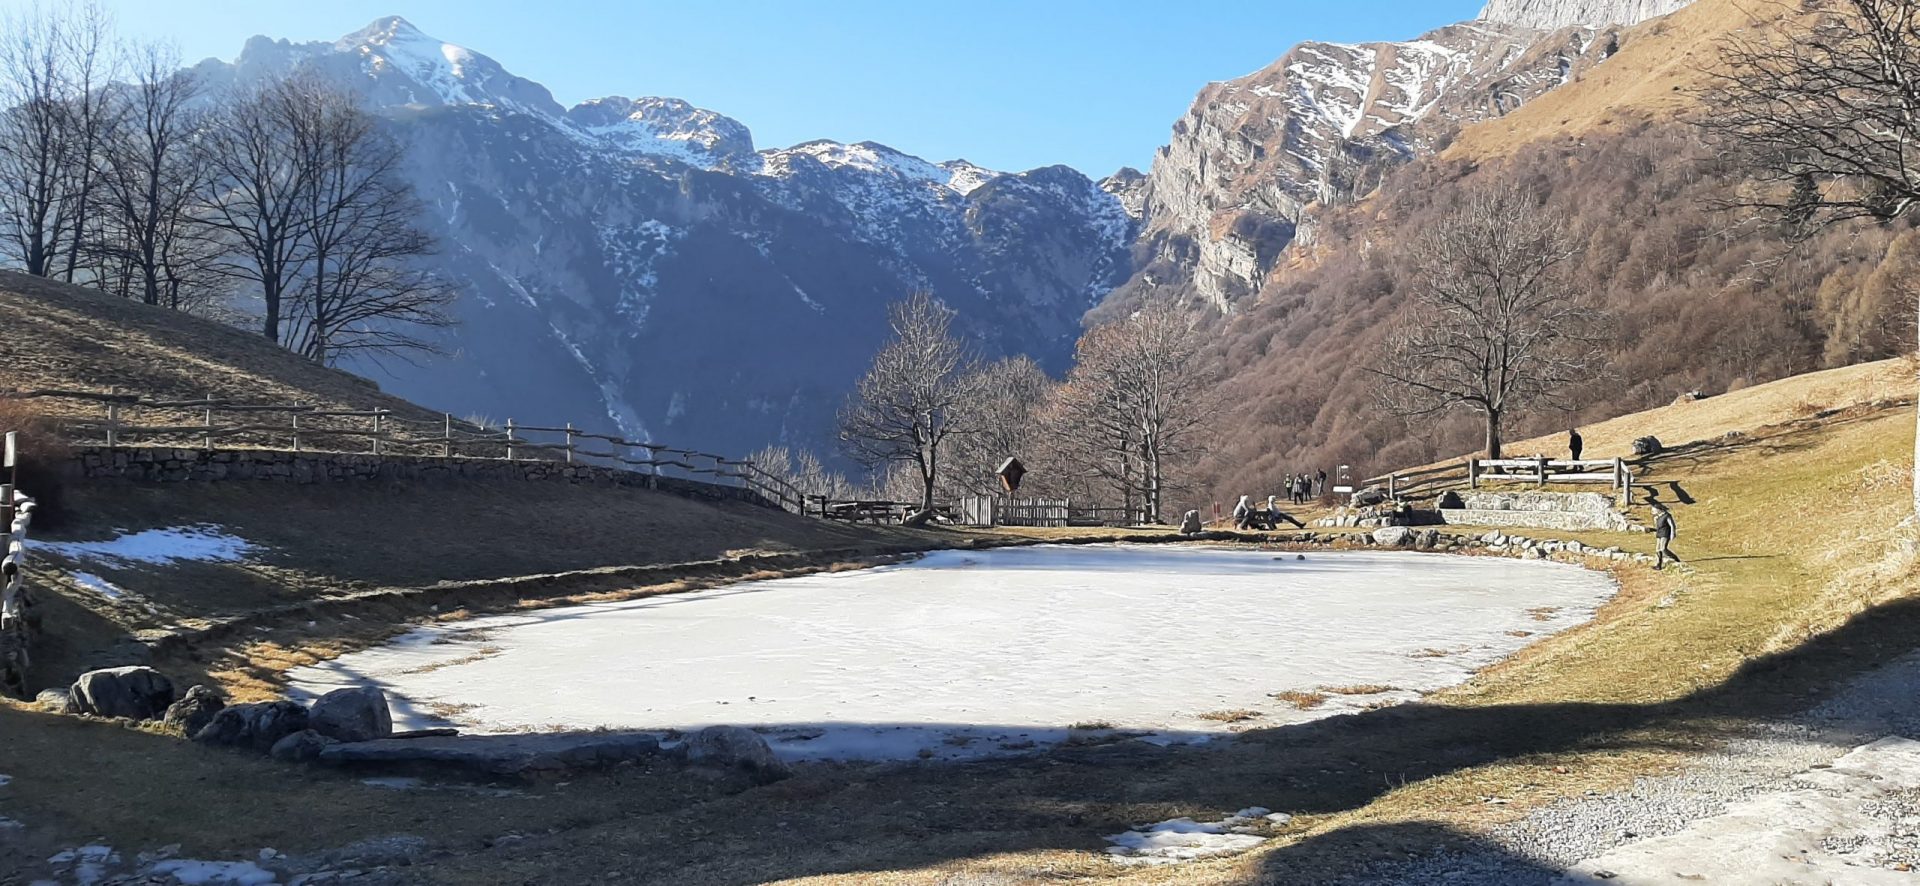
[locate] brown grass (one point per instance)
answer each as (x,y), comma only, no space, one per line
(1359,689)
(1301,699)
(1239,715)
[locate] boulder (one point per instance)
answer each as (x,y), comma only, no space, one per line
(136,692)
(738,748)
(1369,496)
(359,714)
(1428,540)
(194,710)
(258,726)
(1190,523)
(304,746)
(55,701)
(1393,536)
(509,755)
(1648,445)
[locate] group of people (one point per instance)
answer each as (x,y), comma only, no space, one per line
(1302,488)
(1246,516)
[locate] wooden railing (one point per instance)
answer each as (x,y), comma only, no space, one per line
(130,419)
(1540,471)
(989,510)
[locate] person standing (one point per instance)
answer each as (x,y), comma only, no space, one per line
(1574,443)
(1320,483)
(1664,529)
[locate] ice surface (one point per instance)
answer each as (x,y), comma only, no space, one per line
(214,873)
(969,653)
(205,542)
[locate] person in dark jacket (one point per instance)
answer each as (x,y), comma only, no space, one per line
(1664,529)
(1574,443)
(1320,483)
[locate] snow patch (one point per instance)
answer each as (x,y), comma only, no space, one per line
(191,872)
(1183,839)
(99,586)
(201,543)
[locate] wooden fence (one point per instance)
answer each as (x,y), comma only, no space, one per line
(993,510)
(16,619)
(1539,471)
(130,419)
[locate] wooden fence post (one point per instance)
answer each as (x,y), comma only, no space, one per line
(1540,469)
(446,435)
(509,439)
(569,442)
(378,427)
(1393,484)
(296,427)
(113,417)
(207,421)
(1473,473)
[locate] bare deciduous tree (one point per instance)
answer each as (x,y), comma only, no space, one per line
(258,185)
(361,289)
(1826,114)
(1494,325)
(912,401)
(1134,403)
(1007,396)
(37,151)
(148,244)
(307,188)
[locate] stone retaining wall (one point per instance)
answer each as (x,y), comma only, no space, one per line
(148,464)
(1568,521)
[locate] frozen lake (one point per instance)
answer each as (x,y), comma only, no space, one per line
(965,653)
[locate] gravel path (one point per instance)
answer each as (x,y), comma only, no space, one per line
(1777,773)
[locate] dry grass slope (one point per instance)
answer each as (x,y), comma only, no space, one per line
(71,337)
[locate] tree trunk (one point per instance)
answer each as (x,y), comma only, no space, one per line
(1916,457)
(1493,434)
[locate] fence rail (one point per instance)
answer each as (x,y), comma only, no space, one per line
(131,419)
(1540,471)
(992,510)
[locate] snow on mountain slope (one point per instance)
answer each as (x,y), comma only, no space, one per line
(1549,15)
(1232,188)
(639,260)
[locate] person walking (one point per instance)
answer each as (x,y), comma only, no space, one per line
(1574,443)
(1320,484)
(1664,529)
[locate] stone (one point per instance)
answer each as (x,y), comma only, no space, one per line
(1648,445)
(55,701)
(1369,496)
(1428,540)
(1393,536)
(258,726)
(358,714)
(738,748)
(1190,523)
(512,755)
(194,710)
(136,692)
(304,746)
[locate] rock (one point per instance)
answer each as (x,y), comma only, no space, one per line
(194,710)
(1428,540)
(736,747)
(137,692)
(1369,496)
(498,754)
(304,746)
(1393,536)
(1648,445)
(1190,523)
(359,714)
(259,726)
(55,701)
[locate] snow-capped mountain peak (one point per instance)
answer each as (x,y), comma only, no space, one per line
(873,158)
(408,67)
(666,126)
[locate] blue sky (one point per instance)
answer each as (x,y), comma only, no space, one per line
(1006,84)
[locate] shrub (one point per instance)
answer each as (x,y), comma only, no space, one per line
(43,455)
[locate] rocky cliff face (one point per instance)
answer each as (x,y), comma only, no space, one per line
(638,264)
(1548,15)
(1253,156)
